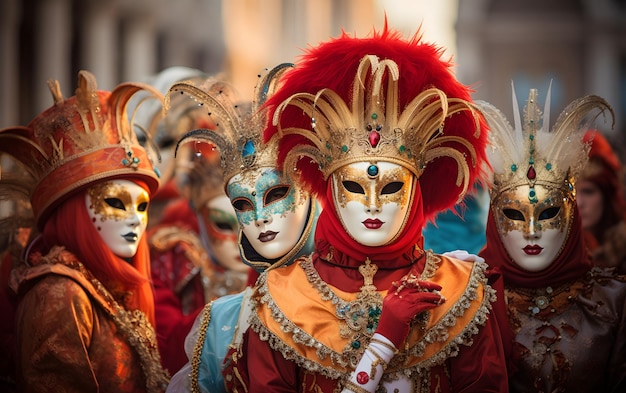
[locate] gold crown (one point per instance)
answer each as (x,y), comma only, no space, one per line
(238,132)
(531,153)
(79,141)
(374,128)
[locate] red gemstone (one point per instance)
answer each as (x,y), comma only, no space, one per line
(374,138)
(362,378)
(531,174)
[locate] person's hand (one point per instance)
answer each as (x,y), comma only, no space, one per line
(404,301)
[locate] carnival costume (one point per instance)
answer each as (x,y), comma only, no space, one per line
(566,317)
(263,198)
(85,316)
(374,115)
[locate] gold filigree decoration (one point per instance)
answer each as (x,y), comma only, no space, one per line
(531,153)
(374,127)
(238,133)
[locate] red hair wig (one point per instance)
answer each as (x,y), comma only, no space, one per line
(70,226)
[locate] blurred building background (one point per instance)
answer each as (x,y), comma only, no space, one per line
(579,45)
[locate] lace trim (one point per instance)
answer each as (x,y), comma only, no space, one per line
(133,324)
(439,332)
(397,367)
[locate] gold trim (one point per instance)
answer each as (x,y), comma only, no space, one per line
(197,350)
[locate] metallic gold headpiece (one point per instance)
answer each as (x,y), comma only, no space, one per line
(238,133)
(531,153)
(78,141)
(375,128)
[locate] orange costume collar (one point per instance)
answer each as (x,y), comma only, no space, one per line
(303,317)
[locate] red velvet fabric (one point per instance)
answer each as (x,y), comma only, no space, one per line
(573,262)
(176,304)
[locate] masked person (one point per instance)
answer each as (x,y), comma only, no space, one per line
(386,137)
(601,203)
(566,318)
(85,315)
(276,219)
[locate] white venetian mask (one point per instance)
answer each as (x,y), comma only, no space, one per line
(119,211)
(220,223)
(372,200)
(533,232)
(271,211)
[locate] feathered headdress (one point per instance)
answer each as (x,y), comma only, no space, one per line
(532,153)
(81,140)
(238,132)
(380,98)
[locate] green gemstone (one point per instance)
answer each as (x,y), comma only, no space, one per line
(344,148)
(374,116)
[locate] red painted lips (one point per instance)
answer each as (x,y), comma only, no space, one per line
(533,249)
(267,236)
(372,223)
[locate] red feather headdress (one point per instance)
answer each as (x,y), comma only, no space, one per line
(379,98)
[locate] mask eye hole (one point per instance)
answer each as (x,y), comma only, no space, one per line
(275,194)
(392,187)
(242,204)
(513,214)
(549,213)
(143,206)
(353,187)
(115,203)
(224,226)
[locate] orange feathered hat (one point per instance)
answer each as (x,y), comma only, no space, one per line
(81,140)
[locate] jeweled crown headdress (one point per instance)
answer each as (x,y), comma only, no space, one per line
(374,128)
(238,131)
(531,153)
(381,97)
(81,140)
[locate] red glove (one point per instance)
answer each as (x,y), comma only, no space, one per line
(404,301)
